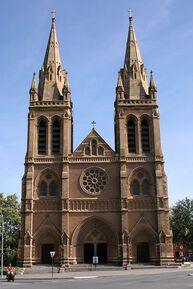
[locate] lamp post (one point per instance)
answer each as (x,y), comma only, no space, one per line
(2,231)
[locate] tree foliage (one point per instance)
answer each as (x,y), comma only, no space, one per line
(10,208)
(182,222)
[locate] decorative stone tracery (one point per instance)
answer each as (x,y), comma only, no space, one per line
(93,180)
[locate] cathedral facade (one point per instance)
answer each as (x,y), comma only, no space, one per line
(94,201)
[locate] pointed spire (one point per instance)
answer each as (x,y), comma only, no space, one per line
(119,81)
(33,89)
(52,75)
(135,83)
(52,52)
(33,83)
(152,81)
(120,87)
(152,86)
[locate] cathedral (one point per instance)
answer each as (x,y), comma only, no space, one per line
(95,200)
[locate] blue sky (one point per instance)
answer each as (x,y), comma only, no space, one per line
(92,37)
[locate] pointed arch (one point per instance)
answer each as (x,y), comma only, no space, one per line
(47,231)
(141,182)
(47,183)
(90,223)
(142,226)
(94,147)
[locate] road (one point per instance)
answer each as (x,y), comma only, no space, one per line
(180,279)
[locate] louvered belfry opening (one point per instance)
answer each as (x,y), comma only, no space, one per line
(56,137)
(42,132)
(145,136)
(131,136)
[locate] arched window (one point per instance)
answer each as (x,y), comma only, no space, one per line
(135,187)
(42,132)
(56,137)
(94,147)
(87,151)
(145,187)
(131,136)
(43,188)
(145,136)
(53,188)
(140,183)
(100,151)
(48,186)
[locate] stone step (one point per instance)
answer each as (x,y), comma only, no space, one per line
(41,269)
(91,267)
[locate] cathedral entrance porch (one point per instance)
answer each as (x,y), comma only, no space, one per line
(94,237)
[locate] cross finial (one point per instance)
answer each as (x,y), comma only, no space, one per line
(130,14)
(93,123)
(53,12)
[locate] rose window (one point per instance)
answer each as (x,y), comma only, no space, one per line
(93,180)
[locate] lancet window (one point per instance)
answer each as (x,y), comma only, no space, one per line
(48,186)
(42,137)
(131,136)
(56,137)
(145,136)
(140,184)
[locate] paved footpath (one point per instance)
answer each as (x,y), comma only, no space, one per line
(95,274)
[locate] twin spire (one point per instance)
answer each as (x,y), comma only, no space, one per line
(53,80)
(132,78)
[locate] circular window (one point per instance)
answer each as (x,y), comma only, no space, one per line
(93,180)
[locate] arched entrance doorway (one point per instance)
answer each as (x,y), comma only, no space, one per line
(143,252)
(94,237)
(46,240)
(95,244)
(143,240)
(46,257)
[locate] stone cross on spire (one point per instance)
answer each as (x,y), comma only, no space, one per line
(130,14)
(53,12)
(93,123)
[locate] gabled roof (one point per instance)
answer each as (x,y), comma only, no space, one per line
(101,145)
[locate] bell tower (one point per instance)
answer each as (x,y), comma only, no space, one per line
(143,183)
(50,141)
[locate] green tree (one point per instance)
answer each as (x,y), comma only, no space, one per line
(10,208)
(182,222)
